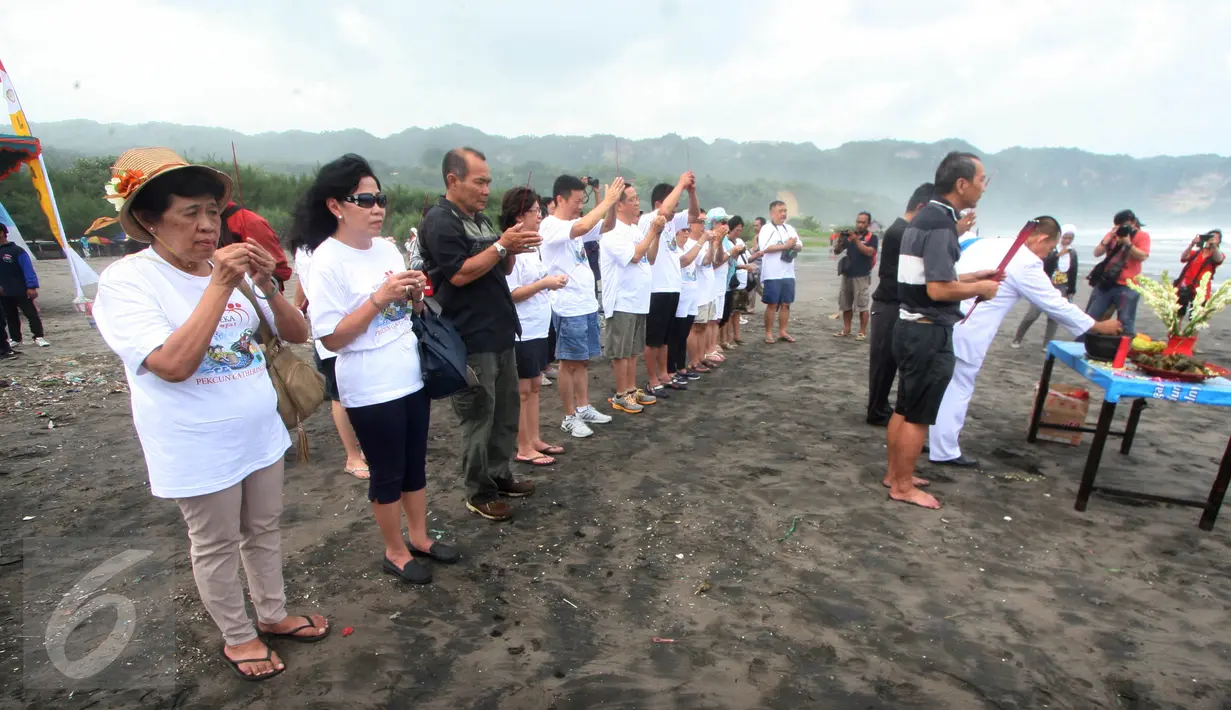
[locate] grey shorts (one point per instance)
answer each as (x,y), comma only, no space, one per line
(705,313)
(625,335)
(855,294)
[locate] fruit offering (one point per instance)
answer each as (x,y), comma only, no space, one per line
(1143,343)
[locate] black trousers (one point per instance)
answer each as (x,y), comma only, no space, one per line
(13,304)
(677,344)
(882,368)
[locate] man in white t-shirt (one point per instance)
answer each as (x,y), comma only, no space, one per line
(565,233)
(626,259)
(777,245)
(661,323)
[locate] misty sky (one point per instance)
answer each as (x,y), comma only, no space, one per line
(1145,77)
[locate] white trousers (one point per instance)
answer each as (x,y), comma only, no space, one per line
(944,434)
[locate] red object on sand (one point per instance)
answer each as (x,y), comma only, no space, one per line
(1004,263)
(1126,344)
(348,631)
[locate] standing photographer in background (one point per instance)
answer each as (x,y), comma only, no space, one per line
(855,290)
(1126,246)
(1201,257)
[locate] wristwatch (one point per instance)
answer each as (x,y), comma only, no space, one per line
(501,250)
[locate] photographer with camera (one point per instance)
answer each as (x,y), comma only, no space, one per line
(858,248)
(1202,257)
(1126,246)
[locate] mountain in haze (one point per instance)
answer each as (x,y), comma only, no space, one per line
(830,184)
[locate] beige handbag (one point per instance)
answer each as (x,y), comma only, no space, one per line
(300,388)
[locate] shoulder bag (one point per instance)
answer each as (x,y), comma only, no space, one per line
(442,353)
(300,388)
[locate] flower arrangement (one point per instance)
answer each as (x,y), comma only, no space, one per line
(1162,298)
(121,185)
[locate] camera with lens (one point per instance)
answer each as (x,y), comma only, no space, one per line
(591,181)
(845,234)
(1203,239)
(1126,230)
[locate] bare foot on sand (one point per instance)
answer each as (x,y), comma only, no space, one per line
(917,497)
(915,481)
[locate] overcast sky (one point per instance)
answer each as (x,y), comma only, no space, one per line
(1144,77)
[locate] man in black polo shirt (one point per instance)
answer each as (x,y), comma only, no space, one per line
(467,263)
(882,368)
(930,293)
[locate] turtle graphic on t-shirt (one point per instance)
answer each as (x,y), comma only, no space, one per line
(241,354)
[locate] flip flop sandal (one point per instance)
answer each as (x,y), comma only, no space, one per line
(861,336)
(552,450)
(770,341)
(293,633)
(252,678)
(360,469)
(536,461)
(839,334)
(787,339)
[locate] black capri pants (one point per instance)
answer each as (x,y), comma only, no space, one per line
(728,304)
(393,435)
(677,344)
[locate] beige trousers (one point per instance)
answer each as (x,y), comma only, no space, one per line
(239,523)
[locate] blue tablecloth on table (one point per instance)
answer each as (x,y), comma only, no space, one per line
(1131,382)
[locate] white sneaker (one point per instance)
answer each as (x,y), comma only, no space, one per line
(1015,345)
(545,381)
(42,342)
(590,415)
(574,426)
(743,320)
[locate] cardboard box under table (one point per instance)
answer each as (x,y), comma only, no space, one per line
(1130,383)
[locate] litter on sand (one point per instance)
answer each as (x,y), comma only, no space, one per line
(791,530)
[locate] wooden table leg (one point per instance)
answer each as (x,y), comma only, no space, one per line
(1130,429)
(1096,454)
(1040,399)
(1218,491)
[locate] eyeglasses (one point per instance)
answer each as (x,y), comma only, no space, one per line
(366,200)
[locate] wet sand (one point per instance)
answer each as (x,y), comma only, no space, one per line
(677,524)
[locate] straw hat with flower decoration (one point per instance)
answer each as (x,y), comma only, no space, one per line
(134,170)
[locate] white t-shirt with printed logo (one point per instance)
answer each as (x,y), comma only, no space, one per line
(382,364)
(705,276)
(563,255)
(303,262)
(626,285)
(772,265)
(534,312)
(209,432)
(666,272)
(688,283)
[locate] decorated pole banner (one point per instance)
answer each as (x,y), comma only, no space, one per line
(81,272)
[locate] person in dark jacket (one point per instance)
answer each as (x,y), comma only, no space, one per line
(18,290)
(882,368)
(1061,266)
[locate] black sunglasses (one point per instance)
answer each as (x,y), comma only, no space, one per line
(366,200)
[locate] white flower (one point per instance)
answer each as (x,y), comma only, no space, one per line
(116,200)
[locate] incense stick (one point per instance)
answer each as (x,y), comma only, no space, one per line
(617,151)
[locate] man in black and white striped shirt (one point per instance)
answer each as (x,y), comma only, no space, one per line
(930,293)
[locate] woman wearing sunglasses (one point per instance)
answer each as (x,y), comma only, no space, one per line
(360,298)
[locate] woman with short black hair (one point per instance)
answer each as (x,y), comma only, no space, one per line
(183,316)
(528,285)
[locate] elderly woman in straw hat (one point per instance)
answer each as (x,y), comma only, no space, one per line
(182,315)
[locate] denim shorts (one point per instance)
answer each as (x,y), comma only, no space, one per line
(779,292)
(577,337)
